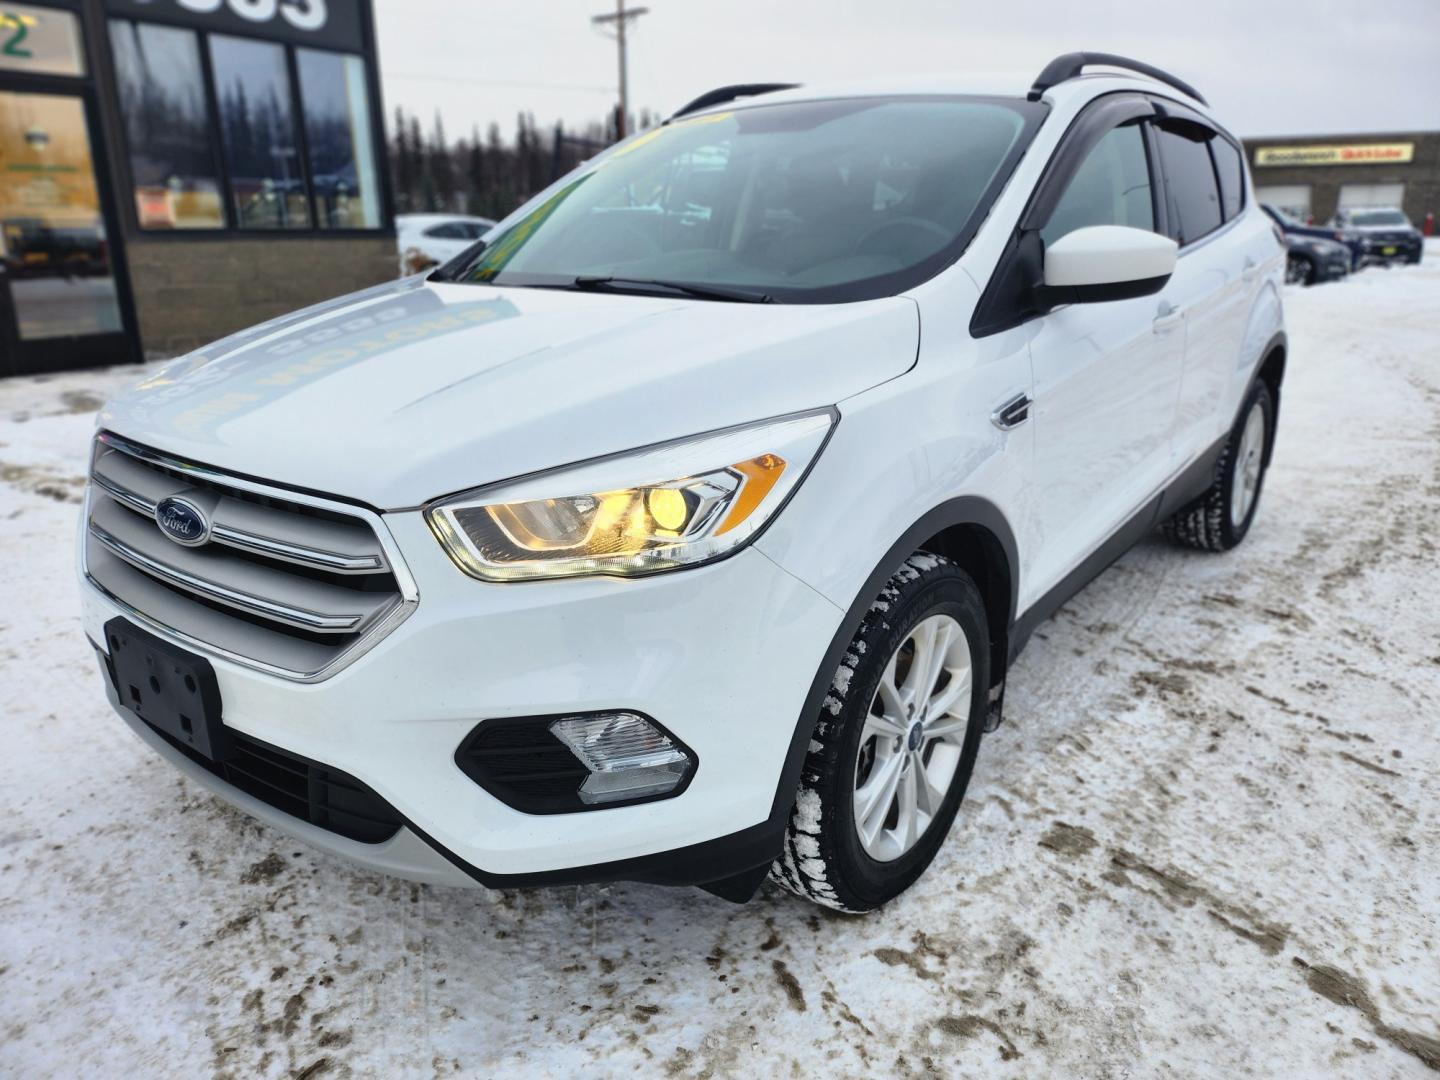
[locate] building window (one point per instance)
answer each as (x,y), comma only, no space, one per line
(162,98)
(257,126)
(40,41)
(279,138)
(338,131)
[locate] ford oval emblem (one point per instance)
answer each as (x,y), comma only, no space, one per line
(182,521)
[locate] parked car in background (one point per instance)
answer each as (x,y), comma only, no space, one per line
(1310,260)
(1385,233)
(428,239)
(1293,226)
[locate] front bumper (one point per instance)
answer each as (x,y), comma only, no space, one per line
(722,655)
(1396,249)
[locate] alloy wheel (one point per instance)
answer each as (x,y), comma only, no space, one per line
(1248,460)
(913,738)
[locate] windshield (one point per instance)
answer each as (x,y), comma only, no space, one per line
(807,202)
(1378,217)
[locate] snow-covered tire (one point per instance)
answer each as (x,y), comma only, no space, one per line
(824,858)
(1208,523)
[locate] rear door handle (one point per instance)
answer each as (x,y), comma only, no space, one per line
(1167,317)
(1251,268)
(1013,413)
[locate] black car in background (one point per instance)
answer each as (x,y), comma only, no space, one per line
(1292,226)
(1385,233)
(1310,260)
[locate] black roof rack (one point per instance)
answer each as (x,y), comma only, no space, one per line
(1070,65)
(723,94)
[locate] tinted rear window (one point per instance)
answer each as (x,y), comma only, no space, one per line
(1193,194)
(1232,176)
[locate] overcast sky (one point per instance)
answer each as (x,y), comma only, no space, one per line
(1269,67)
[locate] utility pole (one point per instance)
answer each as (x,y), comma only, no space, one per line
(621,19)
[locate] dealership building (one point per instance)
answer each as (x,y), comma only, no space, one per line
(1313,176)
(174,170)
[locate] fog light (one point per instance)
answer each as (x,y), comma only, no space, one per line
(628,757)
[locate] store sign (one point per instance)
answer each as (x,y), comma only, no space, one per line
(39,40)
(333,24)
(1368,154)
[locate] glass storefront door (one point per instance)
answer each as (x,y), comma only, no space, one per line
(58,301)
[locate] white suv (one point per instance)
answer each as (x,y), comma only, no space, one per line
(685,531)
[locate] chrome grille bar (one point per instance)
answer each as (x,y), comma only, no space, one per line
(317,622)
(289,583)
(139,488)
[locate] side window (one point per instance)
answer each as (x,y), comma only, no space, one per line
(447,231)
(1112,187)
(1232,176)
(1191,188)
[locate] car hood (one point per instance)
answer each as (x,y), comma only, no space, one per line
(1315,245)
(1317,231)
(413,390)
(1398,229)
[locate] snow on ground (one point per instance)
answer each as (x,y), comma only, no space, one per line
(1204,842)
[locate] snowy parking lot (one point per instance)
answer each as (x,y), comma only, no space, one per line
(1205,841)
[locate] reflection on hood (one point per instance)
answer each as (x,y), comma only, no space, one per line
(244,372)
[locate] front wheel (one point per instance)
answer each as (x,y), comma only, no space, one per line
(895,742)
(1219,519)
(1299,270)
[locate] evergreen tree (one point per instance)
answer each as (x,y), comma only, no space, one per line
(442,166)
(475,176)
(482,176)
(402,165)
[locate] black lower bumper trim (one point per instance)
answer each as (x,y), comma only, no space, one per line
(731,867)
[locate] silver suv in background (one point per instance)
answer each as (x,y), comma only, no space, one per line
(1386,234)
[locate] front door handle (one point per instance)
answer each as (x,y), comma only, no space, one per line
(1013,413)
(1167,317)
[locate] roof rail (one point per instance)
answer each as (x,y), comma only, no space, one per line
(729,93)
(1068,66)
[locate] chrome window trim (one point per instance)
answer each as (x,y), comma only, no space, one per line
(409,591)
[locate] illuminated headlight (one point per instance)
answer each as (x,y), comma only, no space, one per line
(656,509)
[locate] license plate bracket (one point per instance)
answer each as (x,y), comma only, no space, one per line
(170,689)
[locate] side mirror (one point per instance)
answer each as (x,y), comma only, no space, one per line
(1107,262)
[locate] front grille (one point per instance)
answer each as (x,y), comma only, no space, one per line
(287,584)
(325,797)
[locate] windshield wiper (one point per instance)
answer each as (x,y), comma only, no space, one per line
(611,283)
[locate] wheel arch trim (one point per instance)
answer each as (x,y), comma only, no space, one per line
(966,510)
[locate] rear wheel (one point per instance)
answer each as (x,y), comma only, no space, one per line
(1219,519)
(895,742)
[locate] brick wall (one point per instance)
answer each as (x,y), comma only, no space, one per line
(1421,177)
(190,292)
